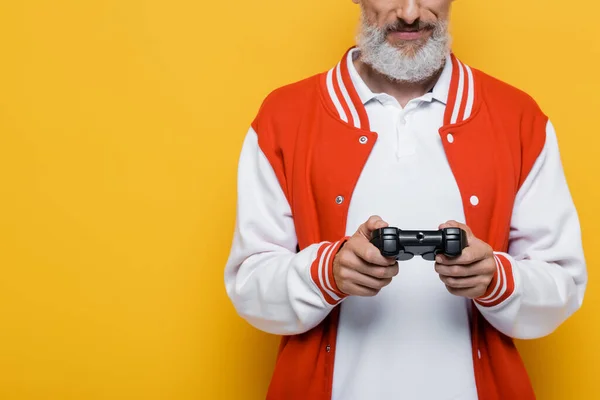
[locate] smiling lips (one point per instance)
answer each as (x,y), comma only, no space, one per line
(407,35)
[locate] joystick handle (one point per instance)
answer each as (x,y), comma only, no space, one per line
(404,245)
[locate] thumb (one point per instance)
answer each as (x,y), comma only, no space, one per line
(372,224)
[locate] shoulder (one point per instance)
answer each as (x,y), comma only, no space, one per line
(280,116)
(286,104)
(519,118)
(506,98)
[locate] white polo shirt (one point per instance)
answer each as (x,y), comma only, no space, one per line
(411,341)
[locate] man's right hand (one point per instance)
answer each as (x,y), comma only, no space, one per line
(359,268)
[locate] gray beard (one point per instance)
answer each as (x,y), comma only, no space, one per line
(394,63)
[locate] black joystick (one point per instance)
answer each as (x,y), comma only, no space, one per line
(404,245)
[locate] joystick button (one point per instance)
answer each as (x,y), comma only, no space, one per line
(389,246)
(453,247)
(453,231)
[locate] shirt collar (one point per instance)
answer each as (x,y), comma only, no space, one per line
(439,91)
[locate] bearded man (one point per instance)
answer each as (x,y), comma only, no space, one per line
(401,133)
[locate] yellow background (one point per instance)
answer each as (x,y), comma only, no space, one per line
(120,128)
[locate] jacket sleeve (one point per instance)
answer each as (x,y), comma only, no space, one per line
(541,280)
(274,287)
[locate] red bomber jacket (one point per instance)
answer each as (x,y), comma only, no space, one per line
(316,137)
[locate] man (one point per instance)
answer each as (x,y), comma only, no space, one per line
(402,133)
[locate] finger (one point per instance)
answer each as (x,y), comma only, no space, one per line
(470,293)
(372,255)
(358,290)
(372,224)
(470,255)
(459,271)
(351,260)
(461,283)
(351,276)
(375,223)
(377,271)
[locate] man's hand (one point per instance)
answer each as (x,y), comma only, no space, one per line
(470,274)
(359,268)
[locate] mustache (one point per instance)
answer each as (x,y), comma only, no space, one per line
(402,26)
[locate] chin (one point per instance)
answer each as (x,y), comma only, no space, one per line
(408,48)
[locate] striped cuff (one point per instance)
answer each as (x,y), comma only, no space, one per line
(321,272)
(502,285)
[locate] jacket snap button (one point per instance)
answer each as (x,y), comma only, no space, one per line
(474,200)
(339,199)
(363,139)
(328,348)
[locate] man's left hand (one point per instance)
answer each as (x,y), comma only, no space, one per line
(469,274)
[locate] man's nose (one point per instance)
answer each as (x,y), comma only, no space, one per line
(408,10)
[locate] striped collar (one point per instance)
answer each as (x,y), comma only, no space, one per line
(343,98)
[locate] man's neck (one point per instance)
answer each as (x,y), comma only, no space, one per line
(401,91)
